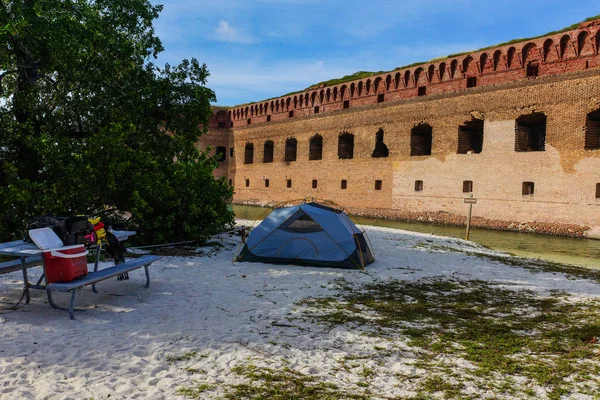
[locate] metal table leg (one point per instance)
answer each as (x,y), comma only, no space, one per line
(25,281)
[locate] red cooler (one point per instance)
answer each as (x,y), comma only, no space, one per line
(65,263)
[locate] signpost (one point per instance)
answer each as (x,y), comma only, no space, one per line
(470,201)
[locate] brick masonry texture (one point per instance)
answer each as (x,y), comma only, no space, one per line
(564,85)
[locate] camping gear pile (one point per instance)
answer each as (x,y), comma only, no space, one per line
(80,230)
(61,263)
(308,234)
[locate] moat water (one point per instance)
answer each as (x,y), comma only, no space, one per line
(585,252)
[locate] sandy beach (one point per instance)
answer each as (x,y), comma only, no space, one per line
(204,317)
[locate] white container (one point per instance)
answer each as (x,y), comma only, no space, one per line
(45,238)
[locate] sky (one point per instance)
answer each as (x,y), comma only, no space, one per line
(259,49)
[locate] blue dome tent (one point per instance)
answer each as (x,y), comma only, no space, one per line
(308,234)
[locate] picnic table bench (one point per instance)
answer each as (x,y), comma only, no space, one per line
(97,276)
(30,256)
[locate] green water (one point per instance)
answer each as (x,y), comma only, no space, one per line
(584,252)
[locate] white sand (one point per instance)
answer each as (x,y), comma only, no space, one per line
(230,314)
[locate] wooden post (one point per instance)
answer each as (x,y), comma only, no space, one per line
(469,215)
(244,234)
(469,220)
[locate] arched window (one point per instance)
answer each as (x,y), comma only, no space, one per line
(510,55)
(528,53)
(295,102)
(547,48)
(376,84)
(397,79)
(592,131)
(442,69)
(360,87)
(368,86)
(321,96)
(352,89)
(430,73)
(598,42)
(315,148)
(306,99)
(249,153)
(342,92)
(313,97)
(335,93)
(418,73)
(564,45)
(421,139)
(483,62)
(530,132)
(328,95)
(406,79)
(453,68)
(470,137)
(496,59)
(346,145)
(381,150)
(388,82)
(581,40)
(291,146)
(288,101)
(268,152)
(466,64)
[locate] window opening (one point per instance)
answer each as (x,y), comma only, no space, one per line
(344,184)
(316,110)
(315,147)
(291,146)
(221,154)
(467,186)
(268,152)
(422,91)
(531,132)
(268,118)
(288,183)
(533,69)
(231,152)
(249,121)
(470,137)
(266,183)
(471,82)
(378,185)
(314,184)
(304,224)
(291,114)
(247,182)
(592,131)
(221,124)
(249,153)
(346,145)
(418,186)
(421,140)
(528,188)
(381,150)
(346,103)
(380,98)
(598,190)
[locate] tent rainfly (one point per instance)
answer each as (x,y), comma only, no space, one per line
(308,234)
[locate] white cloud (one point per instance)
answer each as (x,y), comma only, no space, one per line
(224,32)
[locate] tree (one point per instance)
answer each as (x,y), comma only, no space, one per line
(89,124)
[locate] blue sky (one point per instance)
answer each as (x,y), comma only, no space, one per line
(257,49)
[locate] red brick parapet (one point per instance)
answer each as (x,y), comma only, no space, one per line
(552,54)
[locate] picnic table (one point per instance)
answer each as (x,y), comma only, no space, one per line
(29,255)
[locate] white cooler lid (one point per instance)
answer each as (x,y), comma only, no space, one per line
(45,238)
